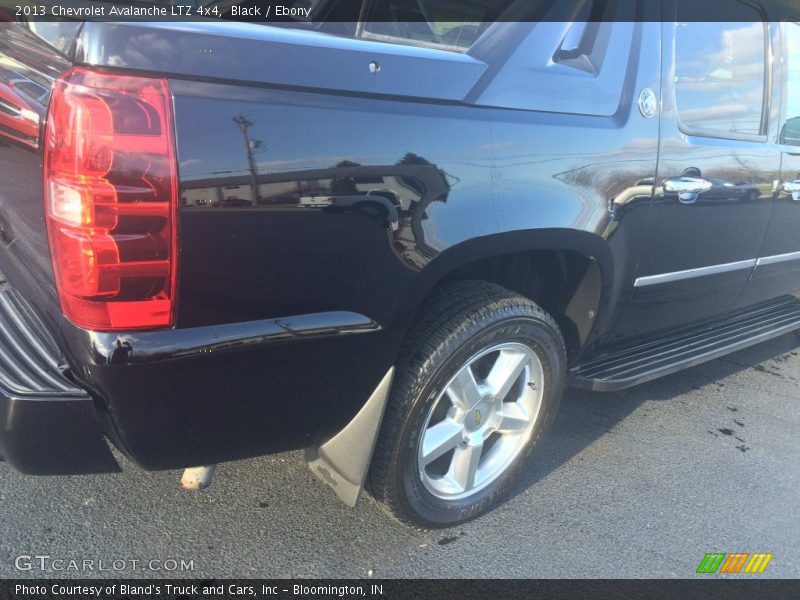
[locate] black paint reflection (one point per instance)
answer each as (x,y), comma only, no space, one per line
(396,196)
(26,77)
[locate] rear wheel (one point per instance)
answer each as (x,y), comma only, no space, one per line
(477,385)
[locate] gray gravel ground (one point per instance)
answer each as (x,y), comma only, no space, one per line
(634,484)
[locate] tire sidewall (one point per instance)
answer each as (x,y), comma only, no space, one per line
(519,327)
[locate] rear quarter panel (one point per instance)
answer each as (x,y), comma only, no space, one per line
(271,178)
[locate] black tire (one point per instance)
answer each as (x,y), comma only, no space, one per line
(459,320)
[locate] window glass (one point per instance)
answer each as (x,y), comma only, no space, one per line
(790,132)
(720,73)
(446,23)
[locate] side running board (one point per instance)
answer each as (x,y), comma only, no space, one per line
(678,350)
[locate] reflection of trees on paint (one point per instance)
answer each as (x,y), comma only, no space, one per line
(344,186)
(414,159)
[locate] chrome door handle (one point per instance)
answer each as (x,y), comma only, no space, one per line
(793,188)
(687,188)
(691,185)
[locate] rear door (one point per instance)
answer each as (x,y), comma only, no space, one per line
(778,270)
(714,189)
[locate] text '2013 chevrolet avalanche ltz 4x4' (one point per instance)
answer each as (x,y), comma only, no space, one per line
(389,242)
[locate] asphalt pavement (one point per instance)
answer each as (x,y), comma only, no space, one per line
(640,483)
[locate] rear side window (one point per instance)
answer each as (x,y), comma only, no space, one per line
(437,23)
(720,74)
(790,131)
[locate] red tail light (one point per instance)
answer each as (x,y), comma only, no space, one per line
(111,190)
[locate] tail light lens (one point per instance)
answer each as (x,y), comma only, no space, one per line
(111,190)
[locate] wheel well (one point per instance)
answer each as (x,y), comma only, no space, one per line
(565,283)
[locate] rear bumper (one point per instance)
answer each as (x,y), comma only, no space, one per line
(48,425)
(176,398)
(179,398)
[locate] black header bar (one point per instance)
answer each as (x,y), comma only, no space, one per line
(312,13)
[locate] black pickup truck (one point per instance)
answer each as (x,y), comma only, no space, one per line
(390,242)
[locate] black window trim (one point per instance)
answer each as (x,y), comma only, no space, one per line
(763,136)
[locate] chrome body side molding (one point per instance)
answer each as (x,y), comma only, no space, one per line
(691,273)
(777,258)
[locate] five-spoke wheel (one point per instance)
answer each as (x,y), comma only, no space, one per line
(476,386)
(481,421)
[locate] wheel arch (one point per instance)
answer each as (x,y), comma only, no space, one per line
(595,288)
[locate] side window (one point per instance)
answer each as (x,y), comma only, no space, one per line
(790,132)
(720,73)
(437,23)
